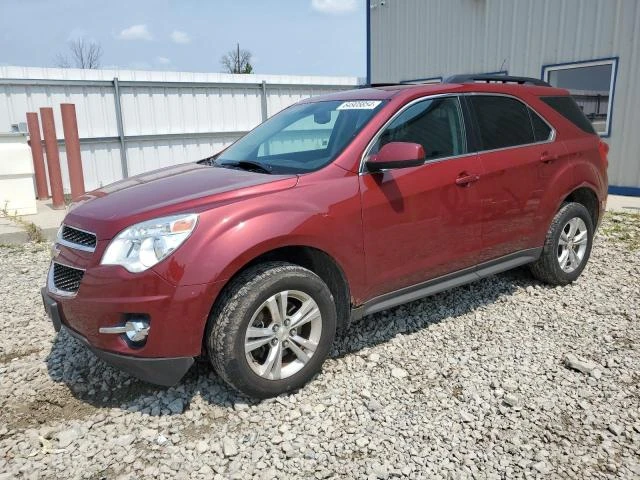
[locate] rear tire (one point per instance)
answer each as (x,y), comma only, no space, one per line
(272,329)
(567,246)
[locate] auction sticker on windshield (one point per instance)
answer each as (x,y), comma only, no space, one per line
(359,105)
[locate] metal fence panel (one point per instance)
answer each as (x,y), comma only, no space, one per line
(167,117)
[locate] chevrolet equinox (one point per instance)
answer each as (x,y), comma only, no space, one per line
(335,208)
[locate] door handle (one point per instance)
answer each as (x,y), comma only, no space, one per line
(465,179)
(547,157)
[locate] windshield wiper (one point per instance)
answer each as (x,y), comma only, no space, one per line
(211,161)
(248,165)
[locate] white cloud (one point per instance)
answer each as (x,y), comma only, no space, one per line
(335,7)
(180,37)
(163,60)
(135,32)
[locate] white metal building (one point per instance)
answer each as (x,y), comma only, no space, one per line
(591,47)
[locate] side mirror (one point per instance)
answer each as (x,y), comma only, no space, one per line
(396,155)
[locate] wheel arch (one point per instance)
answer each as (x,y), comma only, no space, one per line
(587,197)
(565,190)
(313,259)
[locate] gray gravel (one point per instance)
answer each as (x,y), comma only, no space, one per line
(506,378)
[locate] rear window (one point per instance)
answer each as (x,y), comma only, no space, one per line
(541,130)
(502,121)
(569,109)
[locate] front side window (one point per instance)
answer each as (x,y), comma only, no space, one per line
(591,84)
(300,139)
(502,121)
(433,123)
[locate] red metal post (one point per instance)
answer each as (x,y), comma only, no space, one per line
(53,157)
(42,190)
(72,142)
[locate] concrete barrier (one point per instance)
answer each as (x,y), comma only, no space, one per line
(17,192)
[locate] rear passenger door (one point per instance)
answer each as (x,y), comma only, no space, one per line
(518,156)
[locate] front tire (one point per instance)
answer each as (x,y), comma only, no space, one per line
(272,329)
(567,246)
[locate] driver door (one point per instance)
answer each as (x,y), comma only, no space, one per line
(422,222)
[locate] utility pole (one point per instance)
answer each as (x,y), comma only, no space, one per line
(238,58)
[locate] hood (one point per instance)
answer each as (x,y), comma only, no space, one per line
(180,188)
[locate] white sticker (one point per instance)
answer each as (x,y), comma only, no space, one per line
(359,105)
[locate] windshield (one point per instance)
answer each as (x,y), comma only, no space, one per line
(300,139)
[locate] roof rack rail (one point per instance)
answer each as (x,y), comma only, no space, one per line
(401,82)
(496,78)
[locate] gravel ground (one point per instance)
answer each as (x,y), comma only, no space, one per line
(504,378)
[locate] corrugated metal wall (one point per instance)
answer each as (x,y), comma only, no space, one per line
(428,38)
(167,117)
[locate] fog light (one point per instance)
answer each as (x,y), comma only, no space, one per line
(135,330)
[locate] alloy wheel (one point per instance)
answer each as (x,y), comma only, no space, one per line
(572,244)
(283,334)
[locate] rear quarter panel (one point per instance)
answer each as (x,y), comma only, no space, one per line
(581,166)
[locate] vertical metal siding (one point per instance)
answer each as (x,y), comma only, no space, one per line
(430,38)
(198,119)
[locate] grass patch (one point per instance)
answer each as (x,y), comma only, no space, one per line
(34,233)
(622,227)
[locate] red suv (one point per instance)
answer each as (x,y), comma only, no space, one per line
(337,207)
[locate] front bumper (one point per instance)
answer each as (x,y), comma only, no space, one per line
(160,371)
(108,296)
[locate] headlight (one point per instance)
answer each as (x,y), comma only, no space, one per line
(142,245)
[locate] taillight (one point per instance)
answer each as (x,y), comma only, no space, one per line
(603,148)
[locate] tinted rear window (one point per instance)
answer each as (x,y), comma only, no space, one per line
(502,121)
(541,130)
(569,109)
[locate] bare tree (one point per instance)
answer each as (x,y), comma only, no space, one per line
(237,61)
(83,53)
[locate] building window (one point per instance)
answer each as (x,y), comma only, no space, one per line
(591,84)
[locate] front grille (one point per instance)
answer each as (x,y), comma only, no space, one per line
(78,237)
(66,278)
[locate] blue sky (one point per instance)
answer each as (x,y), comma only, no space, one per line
(301,37)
